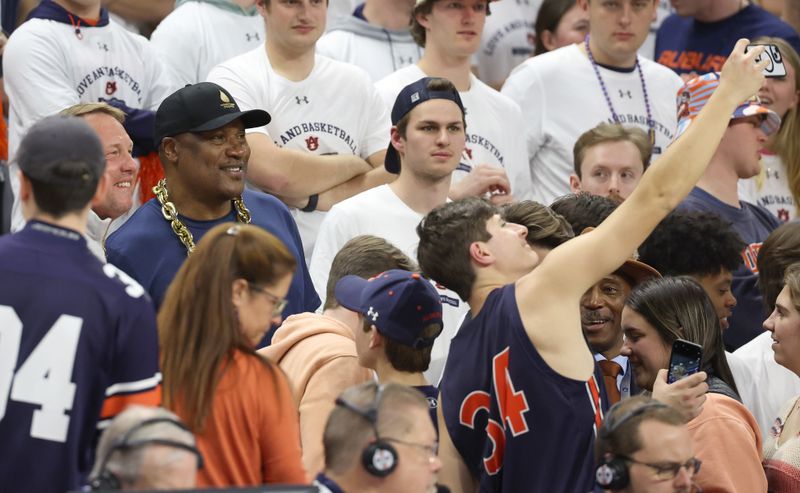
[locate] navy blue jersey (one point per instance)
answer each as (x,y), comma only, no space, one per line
(431,393)
(146,247)
(78,342)
(518,425)
(753,224)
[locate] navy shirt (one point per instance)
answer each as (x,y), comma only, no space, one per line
(146,247)
(431,394)
(543,440)
(753,223)
(689,46)
(78,342)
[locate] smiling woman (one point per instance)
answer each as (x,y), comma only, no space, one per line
(213,378)
(725,435)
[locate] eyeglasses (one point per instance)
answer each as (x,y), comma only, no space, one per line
(668,470)
(432,450)
(280,303)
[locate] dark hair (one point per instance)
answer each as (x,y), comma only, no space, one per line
(548,18)
(546,229)
(780,250)
(425,8)
(583,209)
(435,84)
(620,435)
(197,324)
(679,308)
(696,243)
(406,358)
(364,256)
(70,192)
(611,132)
(445,236)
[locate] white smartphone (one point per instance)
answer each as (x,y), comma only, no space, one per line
(776,68)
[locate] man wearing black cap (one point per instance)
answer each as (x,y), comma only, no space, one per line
(427,139)
(78,339)
(204,152)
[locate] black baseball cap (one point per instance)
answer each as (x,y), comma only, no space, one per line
(56,140)
(200,107)
(410,97)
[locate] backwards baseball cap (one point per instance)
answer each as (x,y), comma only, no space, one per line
(201,107)
(401,304)
(410,97)
(56,140)
(695,94)
(637,272)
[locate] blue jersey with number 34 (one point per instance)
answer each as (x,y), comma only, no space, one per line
(78,342)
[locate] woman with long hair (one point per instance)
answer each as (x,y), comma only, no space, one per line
(725,435)
(778,186)
(239,405)
(559,23)
(782,445)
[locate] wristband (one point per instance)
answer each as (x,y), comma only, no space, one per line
(311,206)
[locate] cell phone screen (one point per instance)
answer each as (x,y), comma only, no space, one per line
(684,361)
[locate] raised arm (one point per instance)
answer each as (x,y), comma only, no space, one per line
(547,302)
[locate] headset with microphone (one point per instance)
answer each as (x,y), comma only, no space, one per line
(107,480)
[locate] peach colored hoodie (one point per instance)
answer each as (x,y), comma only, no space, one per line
(318,355)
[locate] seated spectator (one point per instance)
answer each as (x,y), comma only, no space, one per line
(777,187)
(609,160)
(379,438)
(200,34)
(146,448)
(110,211)
(401,316)
(698,37)
(736,156)
(318,352)
(235,401)
(643,447)
(374,36)
(770,385)
(725,435)
(781,447)
(559,23)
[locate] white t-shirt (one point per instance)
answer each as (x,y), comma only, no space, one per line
(340,8)
(493,123)
(561,98)
(47,68)
(766,385)
(197,36)
(380,212)
(378,51)
(774,193)
(508,39)
(335,110)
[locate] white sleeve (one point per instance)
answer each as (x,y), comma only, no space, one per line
(517,166)
(378,131)
(175,40)
(525,88)
(162,80)
(230,76)
(332,235)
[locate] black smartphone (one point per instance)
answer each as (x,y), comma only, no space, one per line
(776,68)
(685,360)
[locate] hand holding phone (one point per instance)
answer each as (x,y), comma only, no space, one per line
(776,68)
(685,360)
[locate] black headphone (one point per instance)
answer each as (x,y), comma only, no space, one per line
(107,480)
(612,471)
(379,458)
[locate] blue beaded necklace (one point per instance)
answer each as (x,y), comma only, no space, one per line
(650,130)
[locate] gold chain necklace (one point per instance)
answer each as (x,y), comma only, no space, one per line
(170,213)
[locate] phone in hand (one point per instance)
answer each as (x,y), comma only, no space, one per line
(776,68)
(685,360)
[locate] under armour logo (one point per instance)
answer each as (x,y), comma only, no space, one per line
(627,94)
(302,100)
(372,314)
(102,46)
(401,60)
(253,36)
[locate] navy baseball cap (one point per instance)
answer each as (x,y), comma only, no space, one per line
(201,107)
(401,304)
(411,96)
(56,140)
